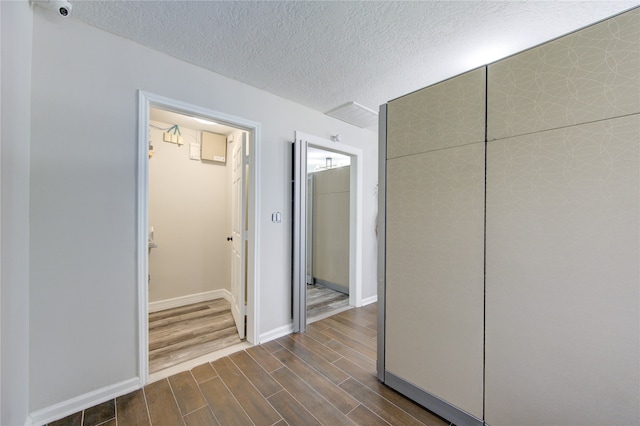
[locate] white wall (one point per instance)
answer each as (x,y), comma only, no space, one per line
(83,197)
(16,34)
(188,209)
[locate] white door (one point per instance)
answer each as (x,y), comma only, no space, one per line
(238,232)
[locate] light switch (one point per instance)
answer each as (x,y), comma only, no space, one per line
(194,151)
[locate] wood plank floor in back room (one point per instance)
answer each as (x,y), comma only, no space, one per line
(323,376)
(181,334)
(322,302)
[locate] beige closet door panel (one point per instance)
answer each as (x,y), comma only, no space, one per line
(586,76)
(444,115)
(562,277)
(434,282)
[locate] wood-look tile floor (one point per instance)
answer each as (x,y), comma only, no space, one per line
(323,376)
(187,332)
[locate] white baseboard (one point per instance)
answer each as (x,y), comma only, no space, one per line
(369,300)
(79,403)
(176,302)
(276,333)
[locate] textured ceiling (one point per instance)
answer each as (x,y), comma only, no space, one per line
(324,54)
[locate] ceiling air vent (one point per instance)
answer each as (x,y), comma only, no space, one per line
(356,114)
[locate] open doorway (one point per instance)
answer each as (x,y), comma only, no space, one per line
(302,208)
(197,226)
(328,212)
(193,261)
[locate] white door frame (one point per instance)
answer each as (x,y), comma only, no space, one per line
(356,184)
(147,100)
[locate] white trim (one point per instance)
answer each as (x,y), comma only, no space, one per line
(369,300)
(355,232)
(253,274)
(142,260)
(189,299)
(299,245)
(145,100)
(276,333)
(79,403)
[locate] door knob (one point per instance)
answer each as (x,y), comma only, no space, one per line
(229,238)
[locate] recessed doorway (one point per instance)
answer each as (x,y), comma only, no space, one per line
(197,227)
(305,143)
(192,178)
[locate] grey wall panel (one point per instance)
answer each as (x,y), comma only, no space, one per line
(562,277)
(434,287)
(331,198)
(447,114)
(562,330)
(585,76)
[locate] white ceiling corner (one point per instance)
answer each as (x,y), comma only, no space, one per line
(323,54)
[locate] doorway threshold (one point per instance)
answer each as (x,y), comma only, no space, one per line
(328,314)
(192,363)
